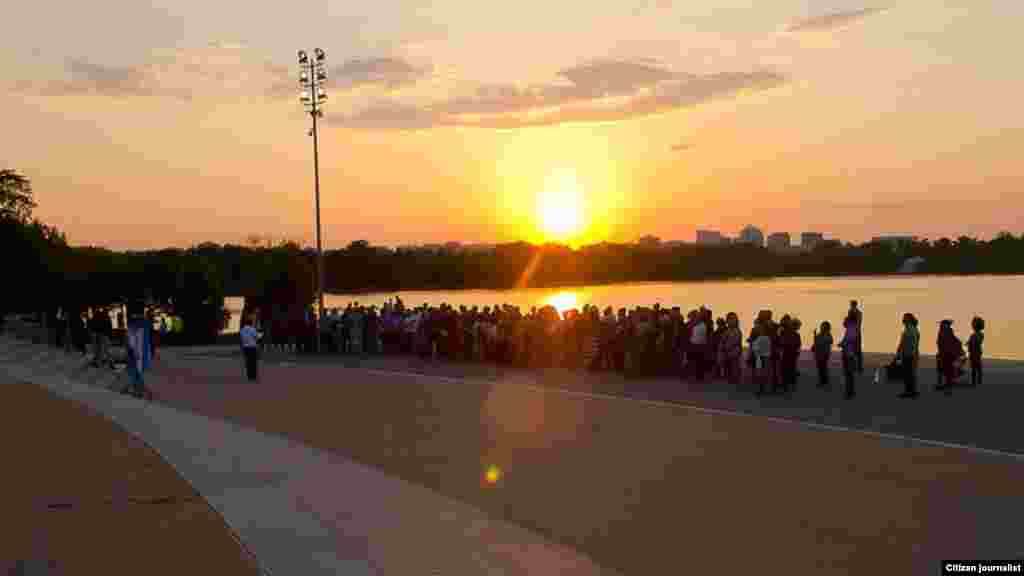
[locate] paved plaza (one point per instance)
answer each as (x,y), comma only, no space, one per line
(380,465)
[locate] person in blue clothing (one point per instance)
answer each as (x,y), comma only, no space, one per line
(139,347)
(251,348)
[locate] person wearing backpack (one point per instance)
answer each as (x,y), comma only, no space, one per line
(822,349)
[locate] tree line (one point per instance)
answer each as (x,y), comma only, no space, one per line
(46,273)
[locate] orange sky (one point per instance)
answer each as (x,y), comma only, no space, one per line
(457,124)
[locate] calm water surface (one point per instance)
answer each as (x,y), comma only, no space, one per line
(882,299)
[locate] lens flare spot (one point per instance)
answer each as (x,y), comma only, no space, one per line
(492,475)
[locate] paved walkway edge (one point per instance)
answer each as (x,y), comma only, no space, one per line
(301,510)
(63,391)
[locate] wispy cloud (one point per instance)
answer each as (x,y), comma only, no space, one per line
(387,72)
(218,69)
(832,20)
(681,147)
(601,91)
(107,80)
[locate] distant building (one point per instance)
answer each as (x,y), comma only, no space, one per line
(649,241)
(454,247)
(751,235)
(710,238)
(779,241)
(675,243)
(811,240)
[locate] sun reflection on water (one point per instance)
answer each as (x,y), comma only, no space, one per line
(563,301)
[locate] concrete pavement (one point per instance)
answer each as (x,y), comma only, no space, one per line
(642,485)
(303,510)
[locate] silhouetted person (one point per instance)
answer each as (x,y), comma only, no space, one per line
(761,350)
(139,349)
(732,348)
(909,354)
(849,356)
(858,317)
(974,350)
(951,351)
(788,350)
(822,349)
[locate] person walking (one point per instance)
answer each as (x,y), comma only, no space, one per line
(974,350)
(139,358)
(250,349)
(909,355)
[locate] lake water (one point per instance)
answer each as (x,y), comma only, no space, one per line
(882,299)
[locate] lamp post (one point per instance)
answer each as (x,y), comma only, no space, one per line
(312,75)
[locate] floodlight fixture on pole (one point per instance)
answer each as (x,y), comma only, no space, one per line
(312,77)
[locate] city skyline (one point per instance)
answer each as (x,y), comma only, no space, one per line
(177,123)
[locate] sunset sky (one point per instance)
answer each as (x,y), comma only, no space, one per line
(179,122)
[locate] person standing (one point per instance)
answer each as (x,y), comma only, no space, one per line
(858,343)
(822,349)
(106,332)
(909,354)
(951,352)
(761,350)
(790,354)
(848,347)
(974,352)
(94,331)
(732,348)
(698,344)
(250,349)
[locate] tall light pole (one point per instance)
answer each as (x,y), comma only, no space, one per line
(312,75)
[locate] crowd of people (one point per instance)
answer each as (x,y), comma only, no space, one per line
(645,341)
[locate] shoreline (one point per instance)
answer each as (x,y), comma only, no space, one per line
(733,279)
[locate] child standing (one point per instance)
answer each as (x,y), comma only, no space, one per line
(974,346)
(822,349)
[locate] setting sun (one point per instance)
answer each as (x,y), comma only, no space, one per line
(561,210)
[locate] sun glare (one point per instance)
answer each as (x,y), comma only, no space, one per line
(561,210)
(563,301)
